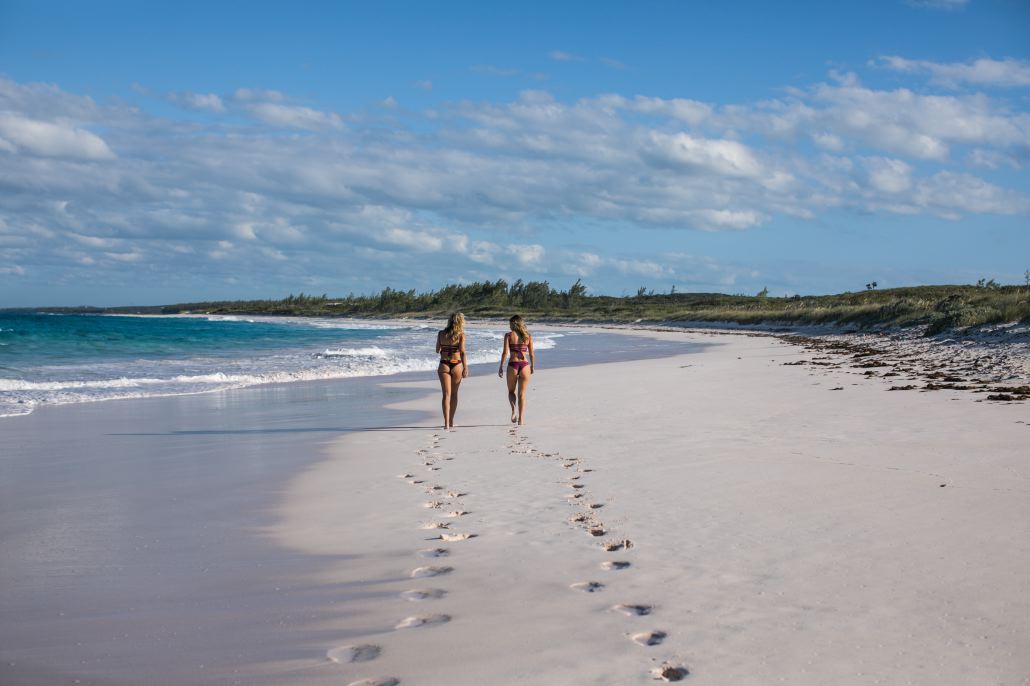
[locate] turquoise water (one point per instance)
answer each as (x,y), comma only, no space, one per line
(51,359)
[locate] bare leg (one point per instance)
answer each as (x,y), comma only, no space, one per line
(512,378)
(445,387)
(455,382)
(523,383)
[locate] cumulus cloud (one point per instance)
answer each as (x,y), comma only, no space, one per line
(198,101)
(294,116)
(719,156)
(984,71)
(51,139)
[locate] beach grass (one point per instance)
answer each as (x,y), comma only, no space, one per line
(936,308)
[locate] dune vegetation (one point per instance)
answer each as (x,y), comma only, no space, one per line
(937,308)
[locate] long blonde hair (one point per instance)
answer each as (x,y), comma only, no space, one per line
(518,325)
(455,326)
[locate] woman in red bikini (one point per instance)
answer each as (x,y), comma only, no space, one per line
(450,343)
(518,342)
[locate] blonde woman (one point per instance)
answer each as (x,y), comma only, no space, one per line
(450,343)
(518,343)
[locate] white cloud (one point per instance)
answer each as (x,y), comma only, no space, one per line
(52,139)
(721,156)
(646,268)
(888,175)
(406,238)
(561,56)
(984,71)
(992,159)
(528,255)
(295,117)
(425,85)
(258,94)
(198,101)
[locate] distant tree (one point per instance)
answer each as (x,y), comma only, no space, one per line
(764,293)
(642,291)
(989,284)
(871,286)
(672,291)
(1026,278)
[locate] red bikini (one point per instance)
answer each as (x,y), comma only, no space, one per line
(522,349)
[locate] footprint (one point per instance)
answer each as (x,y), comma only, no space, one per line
(575,478)
(456,513)
(434,552)
(416,481)
(573,496)
(614,565)
(578,519)
(422,572)
(435,525)
(432,504)
(416,594)
(456,537)
(595,506)
(612,546)
(456,494)
(376,681)
(405,476)
(576,485)
(597,531)
(587,586)
(633,610)
(356,653)
(422,620)
(648,638)
(669,672)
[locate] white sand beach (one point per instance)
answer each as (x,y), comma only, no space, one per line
(770,524)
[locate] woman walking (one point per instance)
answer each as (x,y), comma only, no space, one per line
(518,343)
(450,343)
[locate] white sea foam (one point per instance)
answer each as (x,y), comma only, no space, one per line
(373,349)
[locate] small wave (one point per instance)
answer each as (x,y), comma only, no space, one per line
(371,351)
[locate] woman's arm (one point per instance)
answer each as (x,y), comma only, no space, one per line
(532,356)
(504,354)
(464,363)
(438,343)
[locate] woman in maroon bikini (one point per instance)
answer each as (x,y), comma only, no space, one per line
(450,343)
(518,342)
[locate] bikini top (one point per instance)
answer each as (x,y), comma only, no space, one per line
(518,347)
(451,350)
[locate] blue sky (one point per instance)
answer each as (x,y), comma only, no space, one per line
(159,152)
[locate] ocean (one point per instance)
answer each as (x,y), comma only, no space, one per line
(48,359)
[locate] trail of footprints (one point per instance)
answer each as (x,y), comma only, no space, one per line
(447,509)
(588,520)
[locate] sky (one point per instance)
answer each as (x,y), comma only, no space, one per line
(165,152)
